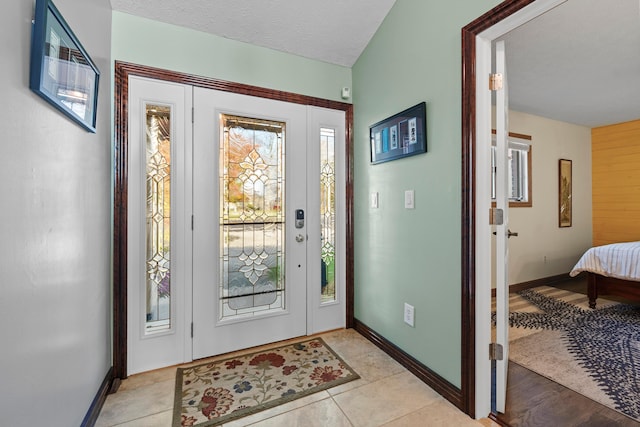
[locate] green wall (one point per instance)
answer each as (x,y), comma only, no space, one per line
(147,42)
(413,255)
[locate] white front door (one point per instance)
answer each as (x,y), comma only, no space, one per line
(236,222)
(249,282)
(502,230)
(258,262)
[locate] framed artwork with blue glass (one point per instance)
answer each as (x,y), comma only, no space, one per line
(401,135)
(61,70)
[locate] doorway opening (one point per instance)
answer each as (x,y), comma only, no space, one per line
(477,38)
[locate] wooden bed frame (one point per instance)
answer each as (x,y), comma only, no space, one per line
(602,285)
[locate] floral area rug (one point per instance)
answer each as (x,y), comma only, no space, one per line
(217,392)
(594,352)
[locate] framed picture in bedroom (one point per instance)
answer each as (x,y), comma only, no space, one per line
(61,70)
(565,193)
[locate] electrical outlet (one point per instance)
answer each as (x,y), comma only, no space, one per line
(408,314)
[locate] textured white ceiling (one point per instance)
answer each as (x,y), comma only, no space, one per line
(334,31)
(578,63)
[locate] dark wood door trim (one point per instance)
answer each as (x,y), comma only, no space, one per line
(122,72)
(469,33)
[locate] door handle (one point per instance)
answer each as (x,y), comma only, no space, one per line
(299,218)
(509,234)
(299,238)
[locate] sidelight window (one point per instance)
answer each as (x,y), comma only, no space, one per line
(328,213)
(158,218)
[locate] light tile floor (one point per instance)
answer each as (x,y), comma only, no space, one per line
(385,395)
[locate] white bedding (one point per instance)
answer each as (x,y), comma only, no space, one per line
(619,260)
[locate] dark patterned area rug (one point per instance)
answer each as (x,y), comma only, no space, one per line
(603,343)
(220,391)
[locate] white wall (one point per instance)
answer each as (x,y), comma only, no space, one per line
(538,233)
(55,232)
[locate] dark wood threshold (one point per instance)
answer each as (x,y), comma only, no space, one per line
(545,281)
(426,375)
(496,419)
(96,406)
(536,401)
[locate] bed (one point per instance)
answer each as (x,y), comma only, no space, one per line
(612,270)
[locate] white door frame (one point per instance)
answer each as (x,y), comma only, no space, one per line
(483,197)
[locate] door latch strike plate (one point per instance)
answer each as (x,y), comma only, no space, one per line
(496,216)
(495,351)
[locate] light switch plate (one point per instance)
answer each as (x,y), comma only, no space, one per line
(409,199)
(374,200)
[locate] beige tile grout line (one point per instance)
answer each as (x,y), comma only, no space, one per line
(340,407)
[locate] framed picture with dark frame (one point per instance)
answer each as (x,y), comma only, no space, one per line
(401,135)
(565,193)
(61,70)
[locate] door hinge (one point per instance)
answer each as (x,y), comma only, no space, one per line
(495,81)
(192,114)
(496,216)
(191,222)
(495,351)
(191,329)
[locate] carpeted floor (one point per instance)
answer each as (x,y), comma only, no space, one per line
(593,352)
(231,388)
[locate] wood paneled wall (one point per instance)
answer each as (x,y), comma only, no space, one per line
(615,156)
